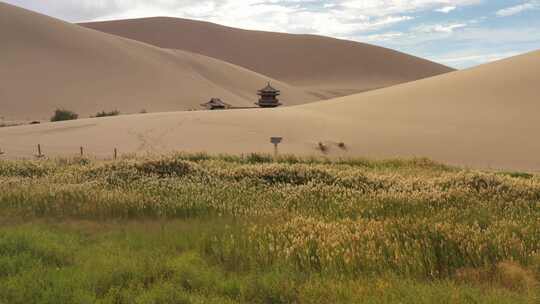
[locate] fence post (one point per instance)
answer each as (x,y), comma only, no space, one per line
(115,153)
(82,151)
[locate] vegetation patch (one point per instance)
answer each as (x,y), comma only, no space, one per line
(63,114)
(106,114)
(195,228)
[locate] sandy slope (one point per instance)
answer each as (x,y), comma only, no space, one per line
(46,63)
(329,66)
(482,117)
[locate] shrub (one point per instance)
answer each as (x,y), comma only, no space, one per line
(105,114)
(165,167)
(322,147)
(63,114)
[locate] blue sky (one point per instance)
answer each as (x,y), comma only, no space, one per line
(458,33)
(467,35)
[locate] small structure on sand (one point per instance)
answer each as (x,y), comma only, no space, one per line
(216,104)
(268,97)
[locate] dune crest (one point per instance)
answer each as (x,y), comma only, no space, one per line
(328,67)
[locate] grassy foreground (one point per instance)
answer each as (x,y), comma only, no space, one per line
(200,229)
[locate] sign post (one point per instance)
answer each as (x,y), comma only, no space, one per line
(39,155)
(276,141)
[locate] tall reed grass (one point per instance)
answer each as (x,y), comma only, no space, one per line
(350,219)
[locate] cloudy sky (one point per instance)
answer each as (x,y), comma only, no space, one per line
(459,33)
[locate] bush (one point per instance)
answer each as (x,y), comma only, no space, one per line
(63,114)
(105,114)
(323,147)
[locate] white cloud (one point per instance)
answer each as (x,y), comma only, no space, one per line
(439,28)
(517,9)
(382,37)
(446,9)
(463,48)
(386,7)
(510,38)
(473,57)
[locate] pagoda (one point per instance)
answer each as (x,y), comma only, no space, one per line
(268,97)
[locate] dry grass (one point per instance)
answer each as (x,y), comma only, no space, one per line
(353,219)
(507,274)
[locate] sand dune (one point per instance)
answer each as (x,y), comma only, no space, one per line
(482,117)
(330,67)
(46,63)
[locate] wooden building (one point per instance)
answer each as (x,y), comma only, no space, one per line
(268,97)
(216,104)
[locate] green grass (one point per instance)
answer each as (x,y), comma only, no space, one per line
(254,229)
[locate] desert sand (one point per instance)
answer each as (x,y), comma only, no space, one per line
(484,117)
(328,67)
(46,63)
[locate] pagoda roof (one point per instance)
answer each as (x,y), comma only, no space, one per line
(269,88)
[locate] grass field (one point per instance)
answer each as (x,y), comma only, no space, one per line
(253,229)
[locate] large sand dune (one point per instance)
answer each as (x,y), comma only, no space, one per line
(46,63)
(330,67)
(482,117)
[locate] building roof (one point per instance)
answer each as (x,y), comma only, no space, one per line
(215,103)
(269,89)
